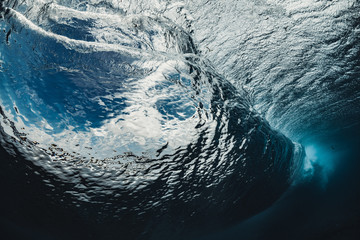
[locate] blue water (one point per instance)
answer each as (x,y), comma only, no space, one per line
(179,119)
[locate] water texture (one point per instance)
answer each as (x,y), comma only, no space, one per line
(172,119)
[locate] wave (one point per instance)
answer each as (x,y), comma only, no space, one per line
(298,61)
(137,106)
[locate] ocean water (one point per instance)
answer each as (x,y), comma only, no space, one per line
(169,119)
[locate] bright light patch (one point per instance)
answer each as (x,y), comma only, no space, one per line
(319,160)
(310,158)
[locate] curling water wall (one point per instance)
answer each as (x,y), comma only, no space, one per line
(174,119)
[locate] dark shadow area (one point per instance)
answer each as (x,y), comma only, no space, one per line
(324,206)
(31,210)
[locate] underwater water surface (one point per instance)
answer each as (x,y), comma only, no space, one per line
(169,119)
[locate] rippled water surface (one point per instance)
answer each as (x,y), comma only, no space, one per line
(179,119)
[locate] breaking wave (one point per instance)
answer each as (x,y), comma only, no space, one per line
(155,114)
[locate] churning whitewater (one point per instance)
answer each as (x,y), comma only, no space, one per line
(172,116)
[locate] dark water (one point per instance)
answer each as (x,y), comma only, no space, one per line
(179,119)
(324,206)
